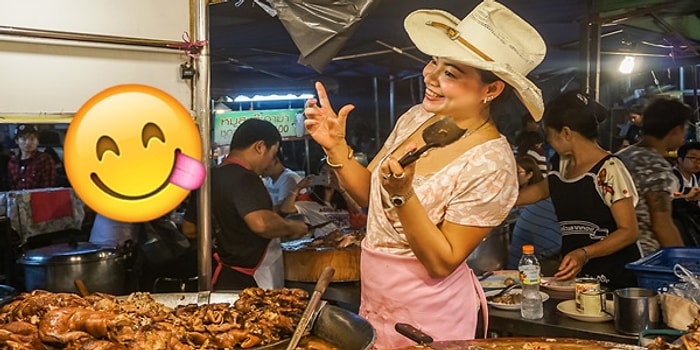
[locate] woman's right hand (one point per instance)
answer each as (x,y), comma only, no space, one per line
(325,126)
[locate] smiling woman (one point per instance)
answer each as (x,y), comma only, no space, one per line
(133,153)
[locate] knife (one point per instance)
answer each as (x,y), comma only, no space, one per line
(414,334)
(486,275)
(313,227)
(311,307)
(426,342)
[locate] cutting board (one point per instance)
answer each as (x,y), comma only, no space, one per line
(306,265)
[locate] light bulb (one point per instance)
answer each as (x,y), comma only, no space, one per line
(627,65)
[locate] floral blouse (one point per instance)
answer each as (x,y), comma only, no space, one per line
(478,188)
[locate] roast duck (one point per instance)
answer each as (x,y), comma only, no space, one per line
(45,320)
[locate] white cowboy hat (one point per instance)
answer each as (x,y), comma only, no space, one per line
(490,38)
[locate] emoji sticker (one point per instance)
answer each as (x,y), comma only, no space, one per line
(133,153)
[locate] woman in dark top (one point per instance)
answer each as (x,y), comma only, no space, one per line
(593,195)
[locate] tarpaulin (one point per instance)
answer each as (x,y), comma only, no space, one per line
(320,28)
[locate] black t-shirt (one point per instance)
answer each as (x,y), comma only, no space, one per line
(235,192)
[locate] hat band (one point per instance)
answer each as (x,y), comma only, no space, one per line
(455,35)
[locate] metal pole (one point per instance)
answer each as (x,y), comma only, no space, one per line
(694,70)
(681,79)
(585,58)
(594,37)
(377,134)
(202,108)
(308,156)
(392,88)
(83,37)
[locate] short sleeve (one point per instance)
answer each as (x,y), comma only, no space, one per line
(652,173)
(614,182)
(251,195)
(287,185)
(487,192)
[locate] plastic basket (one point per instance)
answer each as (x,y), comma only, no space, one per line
(655,271)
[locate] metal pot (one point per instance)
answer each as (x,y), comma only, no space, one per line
(636,309)
(56,267)
(492,253)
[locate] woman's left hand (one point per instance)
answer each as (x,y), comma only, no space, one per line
(396,179)
(570,265)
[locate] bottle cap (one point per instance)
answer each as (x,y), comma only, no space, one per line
(528,249)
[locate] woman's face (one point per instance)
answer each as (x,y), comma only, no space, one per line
(452,88)
(557,140)
(28,143)
(524,176)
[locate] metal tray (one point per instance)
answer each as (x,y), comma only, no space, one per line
(341,327)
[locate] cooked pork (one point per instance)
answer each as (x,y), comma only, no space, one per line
(44,320)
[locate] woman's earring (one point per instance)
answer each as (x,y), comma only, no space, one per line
(487,99)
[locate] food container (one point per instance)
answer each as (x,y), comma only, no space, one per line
(636,309)
(55,268)
(655,271)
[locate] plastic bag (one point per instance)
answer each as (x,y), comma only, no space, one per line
(678,312)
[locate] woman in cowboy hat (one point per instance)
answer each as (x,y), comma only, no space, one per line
(426,218)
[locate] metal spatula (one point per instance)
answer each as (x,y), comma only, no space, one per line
(438,134)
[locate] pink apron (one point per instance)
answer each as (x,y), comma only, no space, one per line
(398,288)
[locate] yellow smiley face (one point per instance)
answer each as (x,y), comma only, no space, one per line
(133,153)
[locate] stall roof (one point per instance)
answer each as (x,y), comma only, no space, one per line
(251,48)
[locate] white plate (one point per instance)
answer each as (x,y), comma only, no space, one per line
(559,286)
(496,280)
(568,308)
(545,297)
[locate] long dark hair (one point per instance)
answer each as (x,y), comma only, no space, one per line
(576,111)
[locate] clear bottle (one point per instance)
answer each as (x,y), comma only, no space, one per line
(529,268)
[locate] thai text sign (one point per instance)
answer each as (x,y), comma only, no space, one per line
(289,122)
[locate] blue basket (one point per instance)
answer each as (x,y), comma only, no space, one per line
(655,271)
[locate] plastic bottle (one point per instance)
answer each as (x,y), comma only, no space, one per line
(529,268)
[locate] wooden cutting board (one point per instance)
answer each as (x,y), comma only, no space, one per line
(306,265)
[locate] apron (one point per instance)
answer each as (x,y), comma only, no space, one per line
(397,288)
(268,273)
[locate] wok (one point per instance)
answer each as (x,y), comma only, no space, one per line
(343,328)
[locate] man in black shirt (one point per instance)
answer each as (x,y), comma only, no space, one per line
(246,229)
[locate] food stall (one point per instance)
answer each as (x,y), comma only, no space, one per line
(304,262)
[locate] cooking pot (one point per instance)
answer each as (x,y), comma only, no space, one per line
(492,253)
(55,268)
